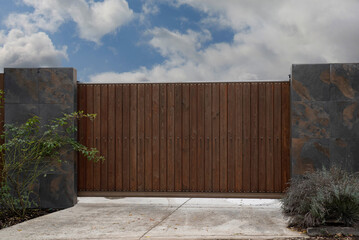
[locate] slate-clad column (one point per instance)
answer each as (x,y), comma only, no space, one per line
(48,93)
(325,116)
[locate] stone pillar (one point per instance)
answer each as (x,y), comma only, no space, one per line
(325,117)
(47,93)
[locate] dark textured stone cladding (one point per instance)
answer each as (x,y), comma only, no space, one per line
(344,118)
(56,86)
(57,190)
(310,82)
(309,154)
(48,93)
(21,86)
(19,113)
(325,116)
(310,119)
(344,80)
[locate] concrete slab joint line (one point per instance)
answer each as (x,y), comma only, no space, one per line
(164,219)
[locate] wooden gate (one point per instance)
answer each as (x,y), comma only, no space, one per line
(2,117)
(186,139)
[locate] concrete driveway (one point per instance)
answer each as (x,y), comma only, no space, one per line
(159,218)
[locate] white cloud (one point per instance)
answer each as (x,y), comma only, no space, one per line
(112,77)
(269,36)
(93,19)
(18,49)
(149,7)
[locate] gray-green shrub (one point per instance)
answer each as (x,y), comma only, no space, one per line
(323,197)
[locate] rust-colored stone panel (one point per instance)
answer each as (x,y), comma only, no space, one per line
(344,119)
(344,80)
(309,154)
(310,119)
(21,86)
(56,86)
(310,82)
(325,131)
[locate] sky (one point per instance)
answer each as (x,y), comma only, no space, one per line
(177,40)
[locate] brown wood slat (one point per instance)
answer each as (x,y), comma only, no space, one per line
(239,137)
(285,135)
(178,137)
(126,135)
(97,135)
(148,138)
(208,137)
(155,137)
(104,144)
(133,138)
(82,137)
(163,137)
(223,125)
(231,137)
(89,136)
(215,138)
(262,137)
(246,137)
(141,138)
(186,137)
(111,138)
(170,138)
(254,137)
(193,137)
(200,139)
(2,117)
(269,138)
(277,137)
(119,138)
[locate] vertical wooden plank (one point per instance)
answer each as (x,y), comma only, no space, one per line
(170,137)
(82,136)
(208,137)
(186,141)
(163,137)
(277,137)
(148,137)
(193,136)
(2,118)
(269,138)
(111,138)
(223,138)
(231,137)
(119,138)
(133,137)
(247,137)
(262,137)
(126,135)
(2,115)
(285,135)
(178,137)
(97,135)
(104,136)
(200,139)
(141,138)
(254,137)
(90,136)
(215,137)
(239,137)
(155,137)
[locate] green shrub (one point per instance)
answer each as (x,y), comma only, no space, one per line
(32,150)
(323,197)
